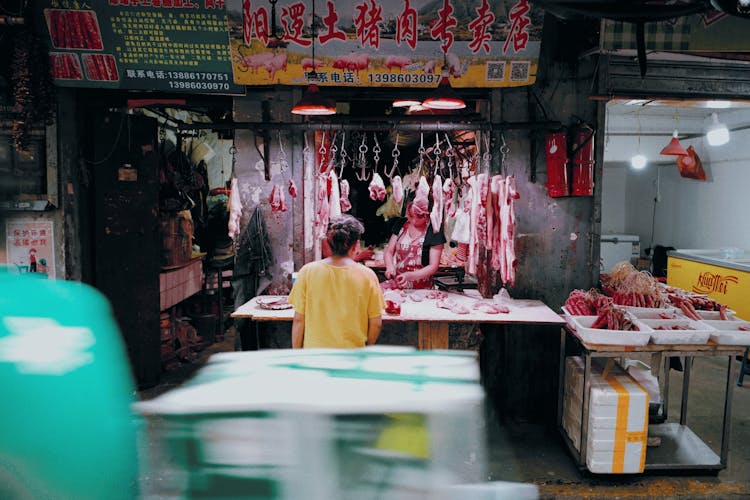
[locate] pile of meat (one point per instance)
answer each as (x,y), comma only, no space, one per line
(611,318)
(457,305)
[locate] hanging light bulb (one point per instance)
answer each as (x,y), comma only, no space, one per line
(639,160)
(312,103)
(718,133)
(444,97)
(674,148)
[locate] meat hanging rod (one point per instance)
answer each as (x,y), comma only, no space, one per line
(355,125)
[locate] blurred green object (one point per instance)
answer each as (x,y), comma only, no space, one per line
(66,427)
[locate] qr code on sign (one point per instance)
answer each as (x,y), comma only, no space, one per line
(495,71)
(519,71)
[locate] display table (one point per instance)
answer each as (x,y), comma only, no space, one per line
(680,447)
(432,321)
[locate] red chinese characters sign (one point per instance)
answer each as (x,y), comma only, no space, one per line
(30,246)
(373,43)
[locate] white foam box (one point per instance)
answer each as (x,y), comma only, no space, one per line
(617,421)
(730,332)
(699,332)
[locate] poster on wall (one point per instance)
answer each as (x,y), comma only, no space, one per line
(167,45)
(30,246)
(386,43)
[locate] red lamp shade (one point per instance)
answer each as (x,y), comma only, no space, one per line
(444,97)
(405,102)
(674,148)
(312,103)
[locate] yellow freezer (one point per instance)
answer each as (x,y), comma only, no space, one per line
(727,281)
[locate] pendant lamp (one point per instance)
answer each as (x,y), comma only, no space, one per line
(405,102)
(674,148)
(312,103)
(444,97)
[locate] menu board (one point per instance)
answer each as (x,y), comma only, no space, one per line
(386,43)
(168,45)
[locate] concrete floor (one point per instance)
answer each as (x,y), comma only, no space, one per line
(532,453)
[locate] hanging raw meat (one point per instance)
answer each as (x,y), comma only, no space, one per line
(377,187)
(277,200)
(322,215)
(449,192)
(497,193)
(292,189)
(508,222)
(473,223)
(436,216)
(346,205)
(421,197)
(335,199)
(462,228)
(235,209)
(398,189)
(483,185)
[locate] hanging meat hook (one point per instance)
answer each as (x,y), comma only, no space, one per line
(344,155)
(421,151)
(449,152)
(504,152)
(332,150)
(376,151)
(362,176)
(323,151)
(395,154)
(437,151)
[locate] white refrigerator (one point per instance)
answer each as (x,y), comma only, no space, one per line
(617,248)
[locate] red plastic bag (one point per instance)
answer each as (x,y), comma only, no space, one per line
(690,165)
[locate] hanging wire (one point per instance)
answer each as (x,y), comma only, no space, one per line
(283,162)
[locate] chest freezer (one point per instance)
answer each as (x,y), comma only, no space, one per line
(616,248)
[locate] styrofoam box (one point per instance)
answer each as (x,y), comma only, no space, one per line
(604,428)
(699,334)
(611,337)
(714,315)
(729,333)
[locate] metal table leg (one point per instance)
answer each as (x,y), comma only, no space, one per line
(685,389)
(560,378)
(725,430)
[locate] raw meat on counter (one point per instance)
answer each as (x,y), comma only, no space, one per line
(452,306)
(489,307)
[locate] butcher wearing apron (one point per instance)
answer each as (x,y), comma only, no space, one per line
(408,256)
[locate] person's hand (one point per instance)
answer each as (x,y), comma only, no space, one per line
(404,279)
(390,271)
(365,254)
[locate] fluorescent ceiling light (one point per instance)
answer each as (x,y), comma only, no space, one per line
(718,104)
(718,133)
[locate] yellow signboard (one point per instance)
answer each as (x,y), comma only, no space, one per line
(724,285)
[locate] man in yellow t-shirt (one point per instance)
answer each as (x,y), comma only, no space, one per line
(337,301)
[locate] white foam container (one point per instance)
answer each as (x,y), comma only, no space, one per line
(699,334)
(611,337)
(729,333)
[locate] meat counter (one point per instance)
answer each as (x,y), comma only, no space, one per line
(432,321)
(723,275)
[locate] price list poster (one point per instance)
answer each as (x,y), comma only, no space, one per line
(167,45)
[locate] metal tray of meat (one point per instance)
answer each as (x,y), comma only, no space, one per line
(730,332)
(652,313)
(678,331)
(274,302)
(601,336)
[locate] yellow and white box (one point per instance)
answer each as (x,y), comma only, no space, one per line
(617,422)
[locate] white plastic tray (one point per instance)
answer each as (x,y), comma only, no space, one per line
(714,315)
(729,333)
(650,312)
(610,337)
(700,333)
